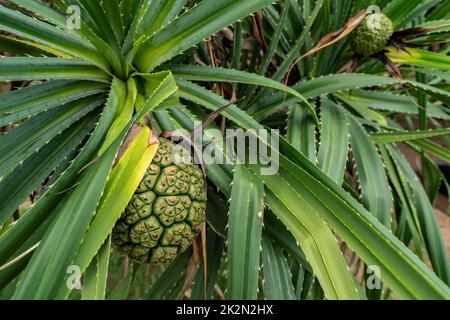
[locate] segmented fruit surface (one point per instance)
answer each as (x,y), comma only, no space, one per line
(167,210)
(372,35)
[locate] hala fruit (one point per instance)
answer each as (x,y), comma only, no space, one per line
(167,210)
(372,35)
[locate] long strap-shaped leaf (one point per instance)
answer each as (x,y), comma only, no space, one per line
(419,58)
(311,232)
(90,31)
(433,148)
(112,12)
(94,12)
(333,150)
(320,86)
(166,283)
(293,53)
(398,10)
(191,28)
(401,136)
(339,82)
(96,277)
(165,12)
(19,104)
(392,102)
(430,227)
(65,234)
(277,275)
(409,219)
(16,69)
(50,262)
(129,171)
(122,183)
(43,12)
(155,15)
(124,115)
(42,210)
(200,73)
(26,178)
(214,250)
(365,112)
(375,190)
(275,229)
(245,220)
(301,131)
(26,48)
(405,274)
(24,140)
(442,11)
(22,255)
(15,22)
(206,98)
(274,42)
(128,10)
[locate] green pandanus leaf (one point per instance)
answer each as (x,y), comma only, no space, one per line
(43,210)
(277,276)
(191,28)
(20,68)
(124,111)
(334,142)
(51,261)
(419,58)
(244,234)
(401,136)
(96,276)
(139,157)
(17,23)
(122,183)
(375,190)
(398,10)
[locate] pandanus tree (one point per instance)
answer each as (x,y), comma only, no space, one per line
(79,142)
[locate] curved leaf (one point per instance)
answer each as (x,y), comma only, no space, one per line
(14,69)
(334,141)
(277,275)
(22,25)
(375,190)
(244,235)
(19,104)
(200,73)
(192,27)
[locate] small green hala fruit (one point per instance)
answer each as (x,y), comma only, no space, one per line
(372,35)
(167,210)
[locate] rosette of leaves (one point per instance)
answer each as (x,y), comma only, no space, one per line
(81,146)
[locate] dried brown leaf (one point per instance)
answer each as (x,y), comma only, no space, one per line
(332,38)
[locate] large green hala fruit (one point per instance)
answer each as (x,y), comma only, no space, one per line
(166,212)
(372,35)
